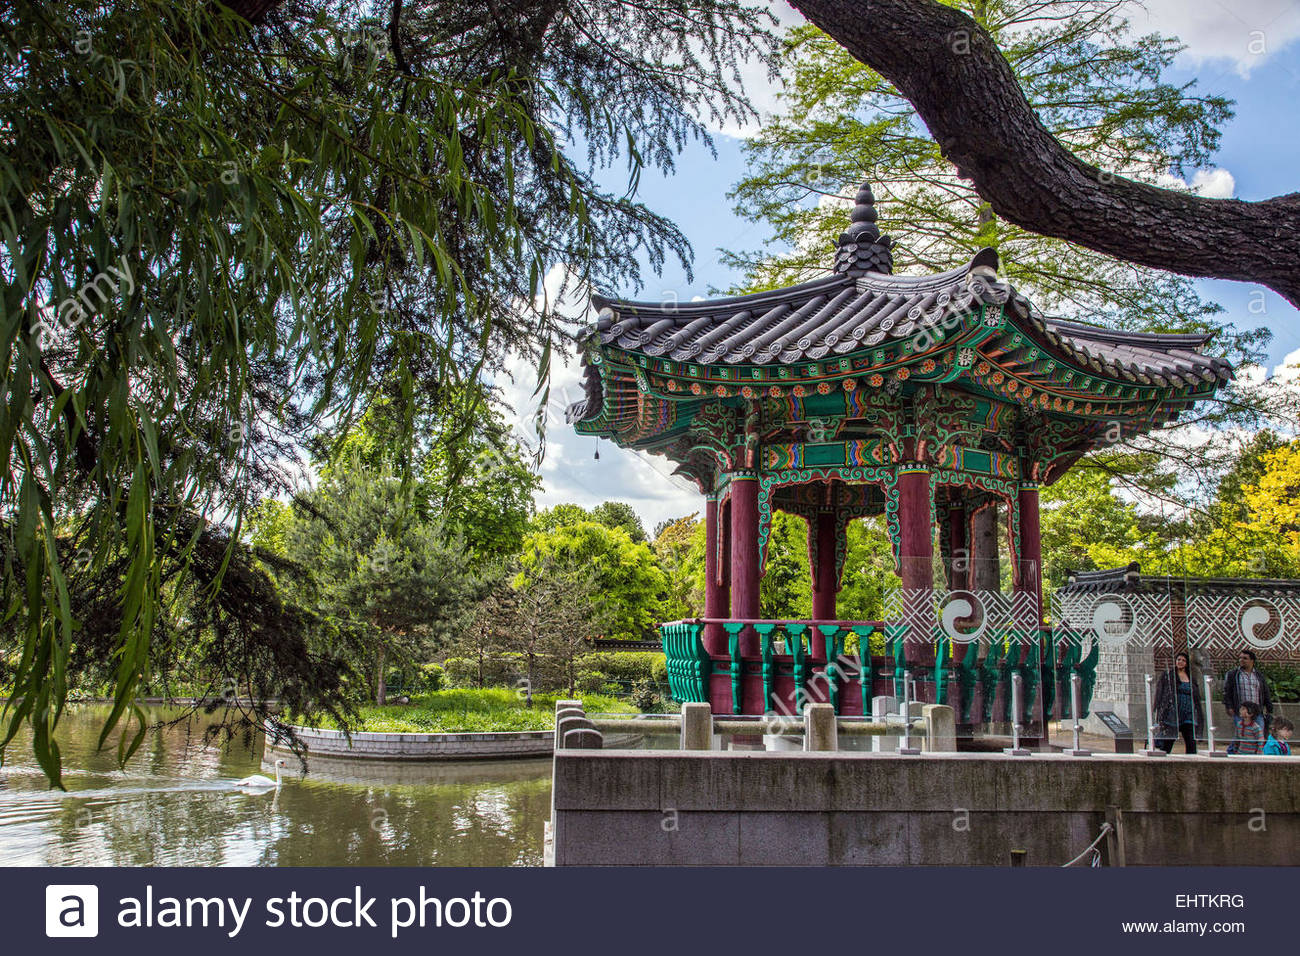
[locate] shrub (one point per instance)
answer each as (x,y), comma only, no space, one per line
(497,670)
(626,666)
(428,679)
(1283,680)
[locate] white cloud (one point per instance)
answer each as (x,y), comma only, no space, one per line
(762,89)
(1212,183)
(1242,32)
(570,470)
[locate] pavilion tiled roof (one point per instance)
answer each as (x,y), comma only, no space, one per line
(649,365)
(844,313)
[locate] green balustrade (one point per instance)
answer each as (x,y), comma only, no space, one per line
(1029,673)
(967,674)
(990,676)
(769,660)
(733,629)
(833,635)
(1088,678)
(1047,644)
(895,645)
(688,663)
(1067,662)
(942,652)
(865,633)
(799,651)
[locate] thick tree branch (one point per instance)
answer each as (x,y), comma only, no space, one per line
(961,85)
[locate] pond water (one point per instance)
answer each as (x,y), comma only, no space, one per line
(174,804)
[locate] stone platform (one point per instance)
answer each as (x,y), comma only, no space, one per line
(638,808)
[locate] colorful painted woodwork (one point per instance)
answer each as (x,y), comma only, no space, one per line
(920,398)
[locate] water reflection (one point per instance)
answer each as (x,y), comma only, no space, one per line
(174,805)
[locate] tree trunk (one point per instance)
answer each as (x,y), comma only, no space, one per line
(381,682)
(963,88)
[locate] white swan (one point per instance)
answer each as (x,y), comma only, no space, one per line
(259,782)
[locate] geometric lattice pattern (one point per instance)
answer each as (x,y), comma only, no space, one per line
(963,616)
(1226,623)
(1139,620)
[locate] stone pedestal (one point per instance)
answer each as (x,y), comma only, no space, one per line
(881,707)
(820,730)
(697,727)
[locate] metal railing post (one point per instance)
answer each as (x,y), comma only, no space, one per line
(1152,750)
(907,747)
(1015,750)
(1209,723)
(1075,697)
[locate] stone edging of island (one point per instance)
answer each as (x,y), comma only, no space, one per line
(374,745)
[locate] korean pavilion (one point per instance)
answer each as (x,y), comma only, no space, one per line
(940,401)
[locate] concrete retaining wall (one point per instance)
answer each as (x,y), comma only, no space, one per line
(810,809)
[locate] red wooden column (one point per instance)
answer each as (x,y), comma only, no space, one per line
(916,563)
(1029,575)
(825,578)
(959,556)
(717,589)
(1029,580)
(744,555)
(985,570)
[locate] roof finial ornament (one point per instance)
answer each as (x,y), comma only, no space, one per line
(861,247)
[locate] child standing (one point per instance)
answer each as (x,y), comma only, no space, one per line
(1250,731)
(1279,739)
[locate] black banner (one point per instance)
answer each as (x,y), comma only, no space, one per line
(645,910)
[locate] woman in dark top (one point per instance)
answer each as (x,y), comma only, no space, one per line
(1179,705)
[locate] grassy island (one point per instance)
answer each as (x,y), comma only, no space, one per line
(495,709)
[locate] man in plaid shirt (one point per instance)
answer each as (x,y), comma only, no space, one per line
(1245,684)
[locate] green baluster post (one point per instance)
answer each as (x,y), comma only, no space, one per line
(799,653)
(769,662)
(865,633)
(833,634)
(733,629)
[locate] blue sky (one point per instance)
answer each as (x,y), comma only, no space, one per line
(1243,49)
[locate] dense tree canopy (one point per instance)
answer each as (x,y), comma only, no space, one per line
(1100,90)
(1090,82)
(222,237)
(363,554)
(626,575)
(942,56)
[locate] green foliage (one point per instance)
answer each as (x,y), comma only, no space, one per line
(364,554)
(627,666)
(221,238)
(428,678)
(674,544)
(466,468)
(493,710)
(1247,470)
(786,589)
(868,568)
(559,516)
(625,574)
(1086,526)
(505,667)
(619,514)
(1283,680)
